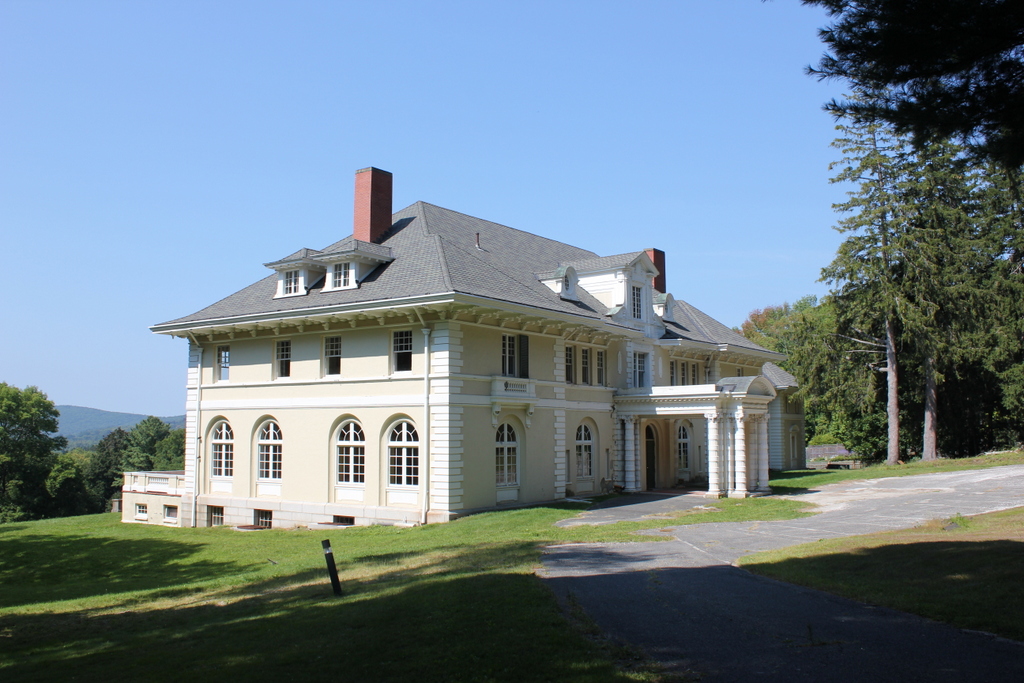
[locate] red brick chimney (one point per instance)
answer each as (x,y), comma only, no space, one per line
(372,205)
(657,256)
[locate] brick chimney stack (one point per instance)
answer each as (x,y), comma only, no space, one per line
(657,256)
(372,205)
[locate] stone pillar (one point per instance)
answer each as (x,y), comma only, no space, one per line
(739,485)
(714,474)
(629,454)
(762,447)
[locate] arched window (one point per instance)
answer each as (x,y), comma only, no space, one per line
(269,447)
(404,455)
(351,450)
(222,462)
(506,456)
(683,447)
(584,452)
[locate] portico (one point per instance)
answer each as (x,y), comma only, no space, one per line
(716,433)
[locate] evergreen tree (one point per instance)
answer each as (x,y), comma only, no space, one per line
(945,68)
(104,472)
(142,441)
(869,264)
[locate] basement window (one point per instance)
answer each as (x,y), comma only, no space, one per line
(264,519)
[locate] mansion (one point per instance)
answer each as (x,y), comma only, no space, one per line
(433,364)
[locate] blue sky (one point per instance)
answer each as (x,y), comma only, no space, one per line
(153,155)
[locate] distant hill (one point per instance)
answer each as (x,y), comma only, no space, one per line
(84,427)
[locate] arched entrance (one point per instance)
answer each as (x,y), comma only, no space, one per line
(651,454)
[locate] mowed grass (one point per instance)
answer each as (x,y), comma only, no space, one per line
(89,598)
(967,571)
(802,481)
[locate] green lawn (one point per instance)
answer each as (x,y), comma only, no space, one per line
(803,481)
(968,571)
(95,599)
(89,598)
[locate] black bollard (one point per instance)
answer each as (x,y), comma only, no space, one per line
(332,569)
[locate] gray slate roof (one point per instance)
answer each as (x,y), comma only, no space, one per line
(435,252)
(779,377)
(696,325)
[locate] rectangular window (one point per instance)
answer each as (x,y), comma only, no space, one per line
(223,460)
(506,457)
(344,519)
(283,356)
(341,276)
(600,368)
(141,511)
(584,460)
(585,366)
(515,355)
(672,372)
(402,350)
(509,363)
(332,355)
(270,461)
(640,369)
(570,365)
(682,372)
(170,513)
(739,372)
(291,282)
(693,373)
(223,363)
(404,466)
(264,519)
(215,514)
(637,300)
(351,464)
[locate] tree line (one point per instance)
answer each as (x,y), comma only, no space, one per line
(39,478)
(919,347)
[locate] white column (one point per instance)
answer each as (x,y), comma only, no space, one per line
(629,454)
(739,489)
(714,476)
(762,447)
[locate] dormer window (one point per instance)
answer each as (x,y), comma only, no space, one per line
(291,282)
(637,302)
(341,276)
(295,281)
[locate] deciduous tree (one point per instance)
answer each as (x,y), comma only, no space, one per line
(28,422)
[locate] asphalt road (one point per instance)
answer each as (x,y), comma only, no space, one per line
(686,605)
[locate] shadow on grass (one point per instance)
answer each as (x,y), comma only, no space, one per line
(971,584)
(45,568)
(437,622)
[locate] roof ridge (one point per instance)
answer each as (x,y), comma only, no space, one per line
(438,244)
(507,227)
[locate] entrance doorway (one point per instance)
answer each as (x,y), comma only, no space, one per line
(651,451)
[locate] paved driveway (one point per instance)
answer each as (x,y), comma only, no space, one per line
(685,604)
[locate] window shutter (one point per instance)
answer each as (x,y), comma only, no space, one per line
(524,356)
